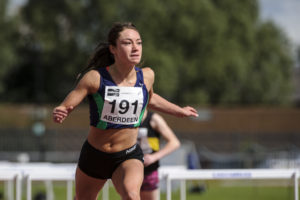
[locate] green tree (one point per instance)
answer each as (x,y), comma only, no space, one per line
(236,50)
(181,44)
(269,79)
(8,27)
(48,53)
(208,52)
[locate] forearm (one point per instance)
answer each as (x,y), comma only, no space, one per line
(66,107)
(166,150)
(162,105)
(73,99)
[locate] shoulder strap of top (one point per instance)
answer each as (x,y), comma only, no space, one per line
(104,72)
(101,71)
(139,75)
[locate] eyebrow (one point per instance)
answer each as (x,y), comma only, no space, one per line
(131,39)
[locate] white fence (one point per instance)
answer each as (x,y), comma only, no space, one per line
(12,173)
(229,174)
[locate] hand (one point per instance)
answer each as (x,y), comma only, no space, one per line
(189,112)
(148,159)
(60,113)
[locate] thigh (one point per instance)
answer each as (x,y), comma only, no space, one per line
(128,177)
(87,188)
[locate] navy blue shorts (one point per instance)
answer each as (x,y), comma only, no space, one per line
(102,165)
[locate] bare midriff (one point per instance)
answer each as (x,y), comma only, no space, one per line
(112,140)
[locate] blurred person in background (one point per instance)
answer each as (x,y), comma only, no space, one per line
(154,126)
(118,94)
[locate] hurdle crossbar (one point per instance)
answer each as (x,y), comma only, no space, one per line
(229,174)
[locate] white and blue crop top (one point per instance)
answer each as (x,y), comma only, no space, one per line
(115,106)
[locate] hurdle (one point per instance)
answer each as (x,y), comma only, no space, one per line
(10,176)
(48,172)
(54,172)
(229,174)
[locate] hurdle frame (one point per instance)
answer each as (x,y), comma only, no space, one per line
(228,174)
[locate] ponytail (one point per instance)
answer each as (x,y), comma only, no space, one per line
(101,57)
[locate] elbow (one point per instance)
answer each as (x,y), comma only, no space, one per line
(177,144)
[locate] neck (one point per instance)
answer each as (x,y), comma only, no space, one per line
(122,74)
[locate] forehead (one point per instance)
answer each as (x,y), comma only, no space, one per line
(129,34)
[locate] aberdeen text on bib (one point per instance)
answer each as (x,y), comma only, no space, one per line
(122,105)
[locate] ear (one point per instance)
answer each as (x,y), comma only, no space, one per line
(112,49)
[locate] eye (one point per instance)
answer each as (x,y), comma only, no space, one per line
(126,43)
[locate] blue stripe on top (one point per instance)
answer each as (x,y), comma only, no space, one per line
(96,100)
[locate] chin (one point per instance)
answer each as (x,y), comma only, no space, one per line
(135,62)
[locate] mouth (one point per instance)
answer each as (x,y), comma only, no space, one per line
(135,57)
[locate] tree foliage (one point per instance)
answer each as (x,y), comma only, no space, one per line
(208,52)
(8,27)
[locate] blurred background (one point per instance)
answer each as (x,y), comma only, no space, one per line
(236,61)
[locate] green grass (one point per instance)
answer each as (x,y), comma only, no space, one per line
(214,190)
(238,193)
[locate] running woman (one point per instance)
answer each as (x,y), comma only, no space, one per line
(118,94)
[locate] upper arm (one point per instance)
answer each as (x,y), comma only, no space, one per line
(88,84)
(149,75)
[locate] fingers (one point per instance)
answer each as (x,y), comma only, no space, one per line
(194,112)
(60,113)
(190,111)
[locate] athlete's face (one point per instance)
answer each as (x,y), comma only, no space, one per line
(128,49)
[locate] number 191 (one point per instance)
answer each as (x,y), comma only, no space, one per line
(124,106)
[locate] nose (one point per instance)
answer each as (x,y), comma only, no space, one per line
(134,46)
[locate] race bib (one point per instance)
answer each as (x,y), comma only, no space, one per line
(122,105)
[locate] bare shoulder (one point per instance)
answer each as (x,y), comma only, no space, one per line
(90,81)
(94,74)
(148,74)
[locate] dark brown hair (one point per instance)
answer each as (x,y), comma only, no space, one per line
(102,57)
